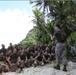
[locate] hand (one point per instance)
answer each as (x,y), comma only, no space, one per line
(12,64)
(51,35)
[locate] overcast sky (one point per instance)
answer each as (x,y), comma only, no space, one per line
(15,21)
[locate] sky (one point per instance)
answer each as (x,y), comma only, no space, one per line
(15,21)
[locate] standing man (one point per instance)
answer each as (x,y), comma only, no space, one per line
(60,49)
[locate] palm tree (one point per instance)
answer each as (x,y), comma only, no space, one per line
(63,13)
(43,30)
(43,5)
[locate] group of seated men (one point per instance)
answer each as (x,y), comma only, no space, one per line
(15,57)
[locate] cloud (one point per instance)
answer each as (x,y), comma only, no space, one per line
(14,25)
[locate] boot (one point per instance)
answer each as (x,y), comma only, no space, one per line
(57,67)
(64,69)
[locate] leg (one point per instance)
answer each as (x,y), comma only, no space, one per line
(41,63)
(35,62)
(64,58)
(27,63)
(72,51)
(58,53)
(31,61)
(21,64)
(14,67)
(6,68)
(57,59)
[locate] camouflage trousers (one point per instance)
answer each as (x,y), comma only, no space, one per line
(60,52)
(73,50)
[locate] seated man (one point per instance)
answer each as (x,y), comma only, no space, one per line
(3,65)
(50,52)
(8,53)
(39,59)
(46,57)
(13,60)
(22,59)
(29,60)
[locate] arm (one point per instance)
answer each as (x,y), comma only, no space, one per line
(52,37)
(26,58)
(36,56)
(2,64)
(44,58)
(19,59)
(8,60)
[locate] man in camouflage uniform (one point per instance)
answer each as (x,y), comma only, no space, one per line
(60,49)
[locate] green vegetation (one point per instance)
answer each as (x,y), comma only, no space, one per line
(62,12)
(29,39)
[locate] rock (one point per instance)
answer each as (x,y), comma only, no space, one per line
(47,70)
